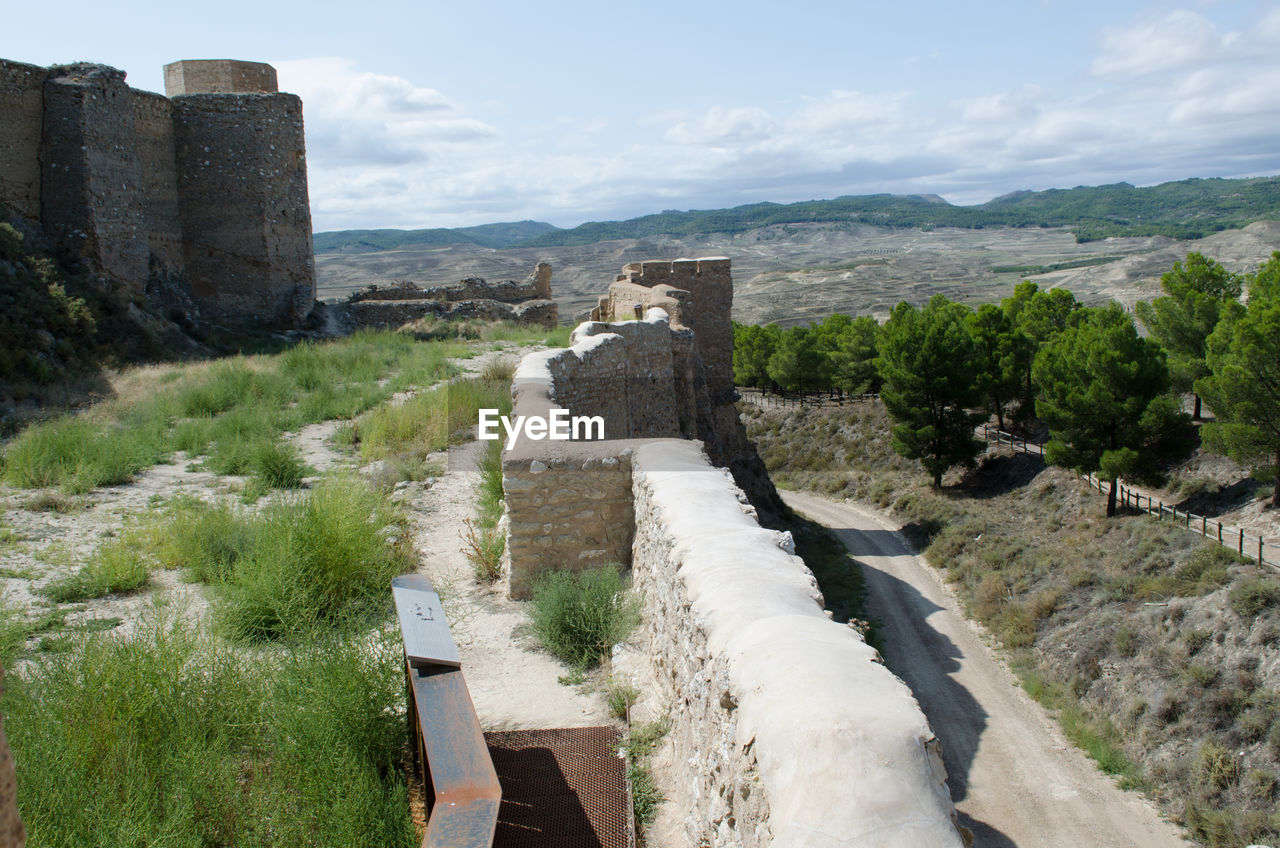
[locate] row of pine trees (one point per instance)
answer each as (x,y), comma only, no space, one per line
(1112,400)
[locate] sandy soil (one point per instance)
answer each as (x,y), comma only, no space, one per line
(513,684)
(1015,778)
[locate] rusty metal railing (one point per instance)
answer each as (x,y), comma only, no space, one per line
(449,749)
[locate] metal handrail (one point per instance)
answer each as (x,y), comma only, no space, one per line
(449,748)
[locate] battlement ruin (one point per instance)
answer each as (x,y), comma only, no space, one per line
(505,300)
(787,730)
(192,201)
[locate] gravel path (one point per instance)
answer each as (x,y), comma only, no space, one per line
(1015,778)
(514,684)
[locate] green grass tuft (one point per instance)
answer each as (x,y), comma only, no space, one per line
(171,738)
(579,617)
(117,567)
(319,559)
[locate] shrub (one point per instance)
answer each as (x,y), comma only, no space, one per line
(320,559)
(1216,766)
(639,746)
(277,465)
(1203,572)
(484,549)
(620,696)
(1253,595)
(207,540)
(489,506)
(78,455)
(578,617)
(116,567)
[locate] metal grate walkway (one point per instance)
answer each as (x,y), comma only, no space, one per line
(563,788)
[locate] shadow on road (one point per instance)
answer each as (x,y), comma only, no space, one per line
(984,835)
(926,659)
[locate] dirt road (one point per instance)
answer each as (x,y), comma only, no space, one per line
(1015,778)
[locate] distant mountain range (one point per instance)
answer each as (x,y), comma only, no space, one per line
(485,235)
(1186,209)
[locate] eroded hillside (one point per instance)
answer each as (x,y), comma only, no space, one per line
(792,273)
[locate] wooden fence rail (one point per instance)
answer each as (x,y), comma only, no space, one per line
(1258,548)
(763,397)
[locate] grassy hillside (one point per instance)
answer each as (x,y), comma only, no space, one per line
(485,235)
(1185,209)
(1158,651)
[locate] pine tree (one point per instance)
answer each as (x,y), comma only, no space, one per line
(1104,395)
(1243,384)
(1004,357)
(1195,294)
(926,360)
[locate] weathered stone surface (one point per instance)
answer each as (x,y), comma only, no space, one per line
(22,105)
(791,731)
(220,76)
(91,174)
(506,300)
(788,730)
(242,177)
(203,197)
(161,220)
(389,314)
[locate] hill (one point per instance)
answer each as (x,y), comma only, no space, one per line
(1186,209)
(485,235)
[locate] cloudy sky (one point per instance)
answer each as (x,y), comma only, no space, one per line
(430,114)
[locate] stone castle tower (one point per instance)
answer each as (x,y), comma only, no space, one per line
(198,197)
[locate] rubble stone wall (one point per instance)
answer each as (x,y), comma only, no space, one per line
(242,177)
(22,105)
(202,197)
(788,728)
(91,175)
(153,131)
(395,305)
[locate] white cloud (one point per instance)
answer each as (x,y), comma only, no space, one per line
(1182,100)
(721,126)
(1175,39)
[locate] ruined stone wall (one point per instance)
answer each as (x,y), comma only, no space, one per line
(702,290)
(202,196)
(91,175)
(623,372)
(394,306)
(22,108)
(567,510)
(788,728)
(788,731)
(242,179)
(391,314)
(537,286)
(569,503)
(153,133)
